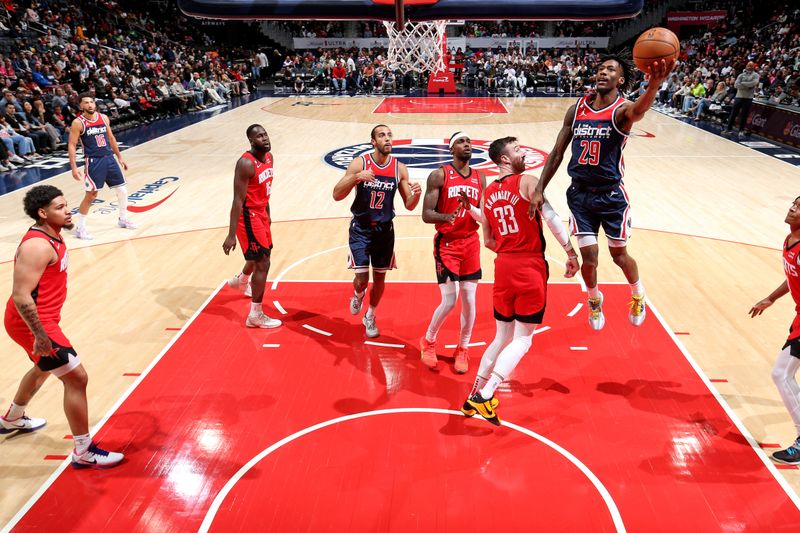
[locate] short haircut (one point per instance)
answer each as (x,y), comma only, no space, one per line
(86,94)
(624,62)
(372,133)
(39,197)
(497,148)
(252,128)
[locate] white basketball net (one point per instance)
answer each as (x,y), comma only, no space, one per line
(417,47)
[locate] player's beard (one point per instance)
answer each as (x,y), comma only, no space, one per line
(386,149)
(519,165)
(68,226)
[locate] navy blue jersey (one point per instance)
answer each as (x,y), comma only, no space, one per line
(597,146)
(374,202)
(94,137)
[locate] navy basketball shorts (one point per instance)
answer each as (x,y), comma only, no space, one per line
(592,208)
(101,171)
(371,244)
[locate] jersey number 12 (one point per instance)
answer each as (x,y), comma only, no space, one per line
(376,200)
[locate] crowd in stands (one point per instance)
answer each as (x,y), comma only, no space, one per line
(138,66)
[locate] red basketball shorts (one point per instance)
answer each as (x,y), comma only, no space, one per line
(520,287)
(253,233)
(457,259)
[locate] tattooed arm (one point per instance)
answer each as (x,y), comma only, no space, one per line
(32,258)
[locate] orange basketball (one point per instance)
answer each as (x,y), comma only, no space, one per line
(654,45)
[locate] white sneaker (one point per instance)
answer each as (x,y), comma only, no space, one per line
(83,233)
(638,309)
(355,304)
(596,318)
(23,424)
(262,321)
(14,158)
(95,457)
(248,291)
(126,224)
(2,168)
(235,283)
(370,327)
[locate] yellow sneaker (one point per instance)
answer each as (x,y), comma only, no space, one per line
(484,407)
(596,318)
(638,309)
(469,411)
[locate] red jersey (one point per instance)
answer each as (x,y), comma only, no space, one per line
(506,212)
(791,265)
(454,182)
(51,291)
(260,186)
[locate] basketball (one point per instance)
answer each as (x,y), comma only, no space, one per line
(654,45)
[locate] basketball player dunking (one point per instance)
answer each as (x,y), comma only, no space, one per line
(250,221)
(93,130)
(376,177)
(520,271)
(452,200)
(597,128)
(784,373)
(32,319)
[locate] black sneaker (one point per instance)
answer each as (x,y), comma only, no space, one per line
(483,406)
(470,411)
(789,456)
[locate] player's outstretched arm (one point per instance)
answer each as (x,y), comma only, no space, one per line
(355,173)
(410,192)
(241,178)
(75,130)
(629,113)
(553,160)
(759,307)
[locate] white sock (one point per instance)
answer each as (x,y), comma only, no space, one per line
(14,411)
(783,374)
(360,294)
(255,308)
(510,357)
(637,288)
(449,296)
(504,333)
(371,311)
(81,220)
(467,291)
(480,381)
(122,201)
(593,292)
(82,443)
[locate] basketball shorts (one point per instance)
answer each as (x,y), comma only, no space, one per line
(371,244)
(101,171)
(520,287)
(793,342)
(253,233)
(591,208)
(457,259)
(65,359)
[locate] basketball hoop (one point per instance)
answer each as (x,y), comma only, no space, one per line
(417,46)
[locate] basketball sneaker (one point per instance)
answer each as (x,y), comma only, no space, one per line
(95,457)
(355,303)
(126,224)
(470,411)
(248,291)
(461,356)
(370,327)
(638,309)
(262,321)
(789,456)
(22,424)
(83,233)
(483,406)
(596,318)
(237,282)
(428,352)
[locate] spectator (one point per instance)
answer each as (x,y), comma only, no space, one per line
(745,88)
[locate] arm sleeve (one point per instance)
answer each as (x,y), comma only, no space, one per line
(556,225)
(476,213)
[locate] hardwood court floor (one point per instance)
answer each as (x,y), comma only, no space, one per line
(708,217)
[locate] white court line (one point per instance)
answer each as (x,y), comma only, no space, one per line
(380,102)
(578,348)
(220,498)
(502,104)
(317,330)
(575,310)
(385,344)
(541,330)
(279,307)
(270,345)
(469,345)
(46,485)
(730,412)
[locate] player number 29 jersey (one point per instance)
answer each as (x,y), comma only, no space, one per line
(597,146)
(506,212)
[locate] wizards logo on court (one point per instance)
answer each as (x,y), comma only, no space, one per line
(421,156)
